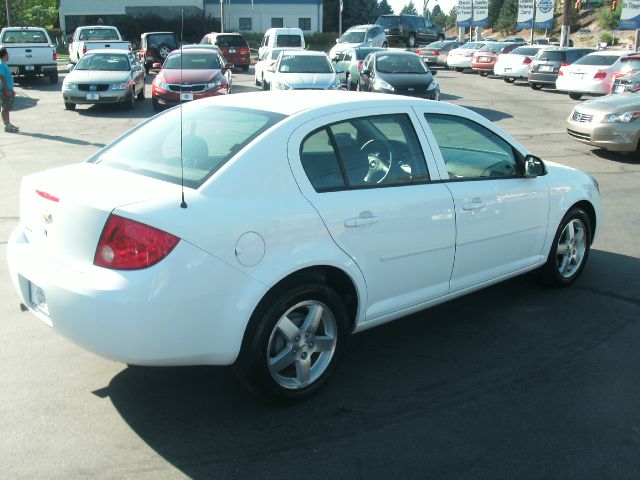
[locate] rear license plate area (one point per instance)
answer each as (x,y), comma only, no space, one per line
(546,68)
(38,299)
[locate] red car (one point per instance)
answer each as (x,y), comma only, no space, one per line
(189,75)
(486,57)
(233,46)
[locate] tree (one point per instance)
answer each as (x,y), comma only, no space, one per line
(494,11)
(508,16)
(438,17)
(357,12)
(409,9)
(609,19)
(32,13)
(384,8)
(452,18)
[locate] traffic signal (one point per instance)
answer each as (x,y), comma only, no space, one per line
(579,5)
(613,4)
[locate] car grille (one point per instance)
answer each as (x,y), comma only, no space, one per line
(579,135)
(187,88)
(581,117)
(97,87)
(420,92)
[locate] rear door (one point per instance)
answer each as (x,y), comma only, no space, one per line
(395,224)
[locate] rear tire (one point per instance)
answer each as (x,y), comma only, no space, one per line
(69,106)
(440,38)
(156,106)
(569,251)
(141,94)
(575,95)
(484,74)
(305,326)
(459,69)
(509,79)
(385,45)
(535,86)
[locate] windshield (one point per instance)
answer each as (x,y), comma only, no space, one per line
(400,64)
(527,51)
(597,60)
(24,36)
(230,41)
(352,37)
(305,64)
(288,40)
(437,45)
(106,62)
(153,149)
(157,39)
(99,34)
(192,61)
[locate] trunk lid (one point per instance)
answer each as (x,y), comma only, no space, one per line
(63,211)
(29,54)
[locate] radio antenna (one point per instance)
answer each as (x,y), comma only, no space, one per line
(183,204)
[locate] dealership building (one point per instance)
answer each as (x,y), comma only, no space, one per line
(238,15)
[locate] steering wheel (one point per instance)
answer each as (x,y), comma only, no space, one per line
(491,170)
(379,157)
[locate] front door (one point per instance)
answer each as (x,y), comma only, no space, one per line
(368,179)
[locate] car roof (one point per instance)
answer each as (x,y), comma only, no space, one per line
(307,53)
(384,51)
(96,26)
(361,27)
(191,49)
(120,51)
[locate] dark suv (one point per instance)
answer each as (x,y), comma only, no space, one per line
(547,62)
(412,30)
(233,46)
(155,47)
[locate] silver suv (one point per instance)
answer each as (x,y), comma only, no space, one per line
(359,36)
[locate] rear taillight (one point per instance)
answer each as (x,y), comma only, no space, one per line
(565,64)
(47,196)
(527,60)
(636,88)
(84,49)
(600,75)
(359,65)
(129,245)
(418,52)
(560,72)
(469,54)
(436,52)
(620,74)
(55,56)
(243,50)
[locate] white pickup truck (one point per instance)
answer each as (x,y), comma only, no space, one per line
(31,52)
(94,38)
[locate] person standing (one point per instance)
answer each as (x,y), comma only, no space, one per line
(7,93)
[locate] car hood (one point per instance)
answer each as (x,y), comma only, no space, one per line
(307,80)
(97,76)
(341,47)
(618,103)
(188,76)
(407,80)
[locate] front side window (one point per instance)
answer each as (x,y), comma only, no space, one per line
(365,152)
(160,147)
(277,22)
(471,151)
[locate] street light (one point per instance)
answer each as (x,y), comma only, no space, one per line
(6,2)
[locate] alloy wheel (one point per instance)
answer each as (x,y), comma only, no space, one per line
(572,246)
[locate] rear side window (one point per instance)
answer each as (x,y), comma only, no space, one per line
(388,21)
(288,41)
(204,143)
(365,152)
(597,60)
(230,41)
(155,40)
(483,154)
(551,56)
(24,36)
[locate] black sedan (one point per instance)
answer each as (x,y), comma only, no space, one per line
(402,73)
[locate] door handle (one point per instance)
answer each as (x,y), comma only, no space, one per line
(474,204)
(365,218)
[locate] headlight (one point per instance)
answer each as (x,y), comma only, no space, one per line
(120,86)
(213,85)
(336,84)
(382,85)
(433,84)
(282,86)
(161,84)
(625,117)
(68,86)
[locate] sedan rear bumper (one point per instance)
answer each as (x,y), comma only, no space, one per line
(545,78)
(568,84)
(617,137)
(520,71)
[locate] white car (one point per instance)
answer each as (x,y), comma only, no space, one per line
(304,70)
(359,36)
(515,64)
(265,65)
(592,74)
(461,58)
(306,216)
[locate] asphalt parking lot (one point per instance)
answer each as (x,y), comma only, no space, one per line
(516,381)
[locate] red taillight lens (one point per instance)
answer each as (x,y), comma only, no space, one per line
(636,88)
(527,60)
(359,66)
(600,75)
(243,50)
(84,49)
(47,196)
(129,245)
(418,52)
(55,56)
(436,52)
(565,64)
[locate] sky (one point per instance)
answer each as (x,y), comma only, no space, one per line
(445,5)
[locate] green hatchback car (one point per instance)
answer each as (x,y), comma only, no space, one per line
(351,61)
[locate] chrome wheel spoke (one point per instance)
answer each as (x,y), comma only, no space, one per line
(312,320)
(323,344)
(570,231)
(288,328)
(580,235)
(282,360)
(303,370)
(563,248)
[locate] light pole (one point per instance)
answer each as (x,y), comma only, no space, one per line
(6,3)
(221,16)
(340,19)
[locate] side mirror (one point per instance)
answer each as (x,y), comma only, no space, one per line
(156,65)
(534,167)
(339,70)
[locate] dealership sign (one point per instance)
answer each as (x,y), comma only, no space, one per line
(480,13)
(544,13)
(465,13)
(630,16)
(525,14)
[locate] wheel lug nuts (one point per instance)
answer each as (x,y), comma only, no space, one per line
(297,338)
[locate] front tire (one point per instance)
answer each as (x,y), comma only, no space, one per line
(575,95)
(459,69)
(569,251)
(293,342)
(69,106)
(130,103)
(347,82)
(141,94)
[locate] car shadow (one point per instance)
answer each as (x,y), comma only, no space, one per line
(21,102)
(631,158)
(489,114)
(39,84)
(450,382)
(143,109)
(449,96)
(59,138)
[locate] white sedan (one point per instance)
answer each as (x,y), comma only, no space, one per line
(515,64)
(264,67)
(304,70)
(592,74)
(303,217)
(461,58)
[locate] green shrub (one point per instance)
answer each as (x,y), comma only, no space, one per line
(609,19)
(607,37)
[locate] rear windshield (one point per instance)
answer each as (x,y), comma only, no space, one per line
(473,46)
(99,34)
(104,62)
(388,21)
(288,40)
(352,37)
(204,143)
(305,64)
(494,47)
(230,41)
(192,61)
(597,60)
(437,45)
(528,51)
(24,36)
(551,55)
(157,39)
